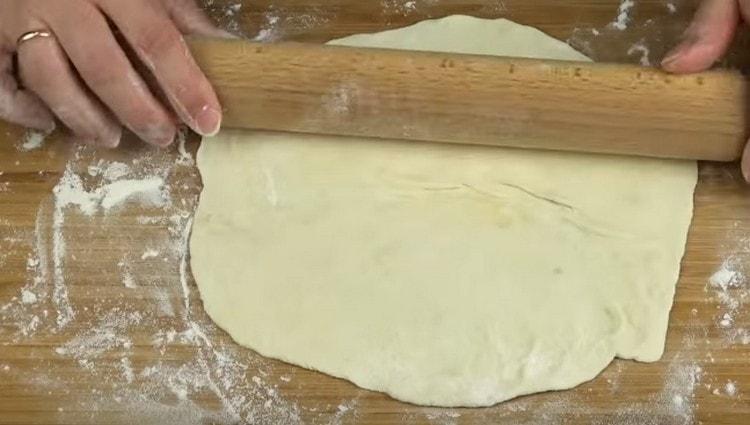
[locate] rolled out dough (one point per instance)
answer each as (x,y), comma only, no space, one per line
(442,275)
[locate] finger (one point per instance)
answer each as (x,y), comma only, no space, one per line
(706,39)
(19,106)
(745,10)
(87,40)
(190,19)
(746,163)
(45,70)
(160,46)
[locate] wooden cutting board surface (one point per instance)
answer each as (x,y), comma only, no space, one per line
(101,322)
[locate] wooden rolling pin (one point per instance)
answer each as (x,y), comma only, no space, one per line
(484,100)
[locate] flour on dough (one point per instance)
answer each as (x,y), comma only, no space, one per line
(442,275)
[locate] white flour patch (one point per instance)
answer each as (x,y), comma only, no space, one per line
(640,49)
(399,7)
(227,14)
(147,191)
(28,297)
(269,31)
(33,140)
(164,304)
(105,336)
(127,274)
(448,417)
(341,99)
(139,305)
(730,290)
(623,15)
(149,253)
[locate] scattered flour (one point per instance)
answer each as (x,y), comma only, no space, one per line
(33,140)
(641,48)
(186,360)
(623,15)
(731,389)
(149,253)
(101,331)
(399,7)
(730,288)
(269,31)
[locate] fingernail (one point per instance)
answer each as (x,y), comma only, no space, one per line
(674,55)
(51,127)
(163,143)
(208,121)
(688,39)
(671,58)
(111,139)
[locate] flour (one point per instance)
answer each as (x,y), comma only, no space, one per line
(400,7)
(160,361)
(623,15)
(228,14)
(269,31)
(730,389)
(149,253)
(102,335)
(28,297)
(641,48)
(147,191)
(727,276)
(729,287)
(70,193)
(597,42)
(110,171)
(33,140)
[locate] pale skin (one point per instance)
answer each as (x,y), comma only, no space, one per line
(82,77)
(707,38)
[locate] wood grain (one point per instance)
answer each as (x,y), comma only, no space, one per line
(41,386)
(482,100)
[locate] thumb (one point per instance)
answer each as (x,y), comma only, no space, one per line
(19,106)
(746,163)
(191,20)
(707,37)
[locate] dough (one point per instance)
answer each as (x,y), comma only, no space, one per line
(442,275)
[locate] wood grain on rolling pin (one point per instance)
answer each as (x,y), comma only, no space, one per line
(441,97)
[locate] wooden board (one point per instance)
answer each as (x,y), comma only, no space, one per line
(100,320)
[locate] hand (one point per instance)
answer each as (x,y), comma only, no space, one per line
(707,38)
(81,74)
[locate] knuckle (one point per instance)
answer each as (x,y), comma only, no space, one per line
(36,71)
(148,124)
(85,14)
(101,76)
(156,41)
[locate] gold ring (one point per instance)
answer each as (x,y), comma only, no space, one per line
(28,36)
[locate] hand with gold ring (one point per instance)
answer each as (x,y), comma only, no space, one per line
(70,65)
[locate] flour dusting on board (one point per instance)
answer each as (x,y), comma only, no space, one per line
(623,15)
(33,140)
(193,375)
(639,48)
(731,290)
(161,360)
